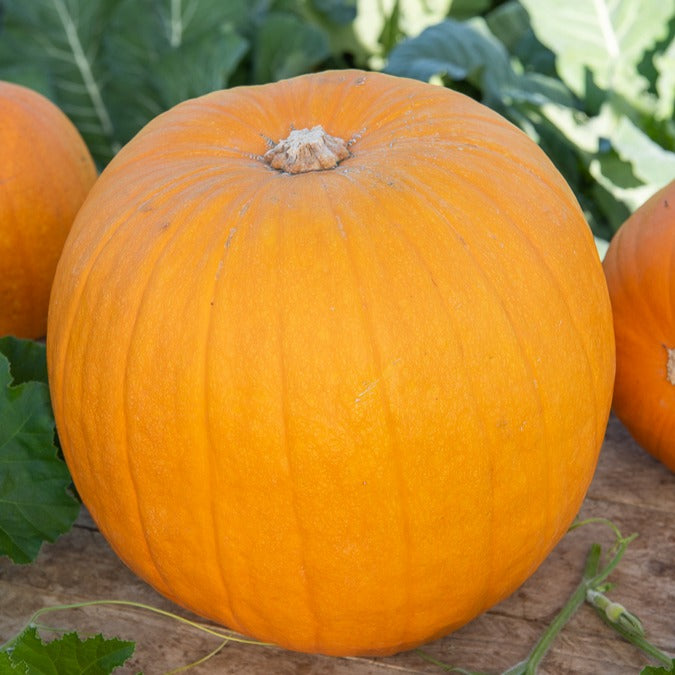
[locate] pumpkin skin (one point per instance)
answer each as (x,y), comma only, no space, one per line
(45,173)
(345,410)
(640,277)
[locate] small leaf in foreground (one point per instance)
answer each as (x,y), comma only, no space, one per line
(658,670)
(27,359)
(35,504)
(7,667)
(69,654)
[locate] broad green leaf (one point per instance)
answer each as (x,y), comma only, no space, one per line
(27,359)
(286,46)
(510,24)
(160,54)
(601,40)
(216,57)
(652,164)
(457,51)
(68,654)
(63,38)
(186,20)
(581,131)
(29,75)
(8,667)
(658,670)
(467,50)
(537,89)
(615,176)
(35,504)
(638,167)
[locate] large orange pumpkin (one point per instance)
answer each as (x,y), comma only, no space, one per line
(641,281)
(45,174)
(341,392)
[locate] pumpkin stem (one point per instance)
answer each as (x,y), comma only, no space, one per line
(307,150)
(670,367)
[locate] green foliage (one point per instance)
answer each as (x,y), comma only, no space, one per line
(287,46)
(27,358)
(34,482)
(592,83)
(659,670)
(29,655)
(113,65)
(600,45)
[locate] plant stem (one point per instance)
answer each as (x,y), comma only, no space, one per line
(637,640)
(228,637)
(614,612)
(592,579)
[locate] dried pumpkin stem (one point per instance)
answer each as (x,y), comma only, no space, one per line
(307,150)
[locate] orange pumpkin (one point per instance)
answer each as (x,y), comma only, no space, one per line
(45,174)
(341,392)
(641,280)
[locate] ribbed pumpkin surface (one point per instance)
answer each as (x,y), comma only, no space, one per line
(345,410)
(45,173)
(641,281)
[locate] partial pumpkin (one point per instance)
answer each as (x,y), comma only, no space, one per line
(342,392)
(641,281)
(45,173)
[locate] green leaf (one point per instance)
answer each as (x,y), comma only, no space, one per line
(27,358)
(112,65)
(68,654)
(465,9)
(617,191)
(652,164)
(665,83)
(457,51)
(658,670)
(603,40)
(35,504)
(217,59)
(29,75)
(162,54)
(7,667)
(338,11)
(510,24)
(63,38)
(287,46)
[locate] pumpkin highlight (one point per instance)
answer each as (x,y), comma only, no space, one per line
(346,409)
(640,277)
(45,173)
